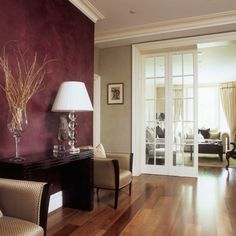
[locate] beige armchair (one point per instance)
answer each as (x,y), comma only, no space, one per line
(113,172)
(24,207)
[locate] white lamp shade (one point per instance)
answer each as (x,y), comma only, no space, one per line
(72,96)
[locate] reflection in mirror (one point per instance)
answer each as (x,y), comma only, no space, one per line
(155,110)
(183,109)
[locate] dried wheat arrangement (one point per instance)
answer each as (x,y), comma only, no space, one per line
(23,77)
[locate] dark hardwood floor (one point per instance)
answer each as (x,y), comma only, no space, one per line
(159,205)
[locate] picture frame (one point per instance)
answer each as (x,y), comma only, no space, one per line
(115,93)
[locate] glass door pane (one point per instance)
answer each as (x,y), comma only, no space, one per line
(155,110)
(183,109)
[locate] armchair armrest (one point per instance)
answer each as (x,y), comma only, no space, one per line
(233,149)
(26,200)
(105,172)
(125,159)
(225,141)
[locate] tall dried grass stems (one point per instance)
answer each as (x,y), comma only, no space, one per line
(22,78)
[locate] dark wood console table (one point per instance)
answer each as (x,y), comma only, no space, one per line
(73,174)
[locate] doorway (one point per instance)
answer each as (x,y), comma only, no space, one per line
(138,128)
(169,102)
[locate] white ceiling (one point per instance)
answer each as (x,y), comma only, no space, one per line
(217,64)
(132,21)
(128,13)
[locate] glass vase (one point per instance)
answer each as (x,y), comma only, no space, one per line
(17,123)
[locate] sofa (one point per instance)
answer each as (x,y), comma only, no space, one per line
(23,207)
(209,142)
(211,136)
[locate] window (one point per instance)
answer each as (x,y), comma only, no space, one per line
(208,107)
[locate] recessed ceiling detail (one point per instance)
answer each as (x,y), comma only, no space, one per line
(88,9)
(170,26)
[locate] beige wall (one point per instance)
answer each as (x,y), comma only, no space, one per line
(114,66)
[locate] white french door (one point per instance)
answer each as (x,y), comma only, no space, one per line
(170,108)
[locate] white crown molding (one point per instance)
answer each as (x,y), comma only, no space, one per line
(88,9)
(170,26)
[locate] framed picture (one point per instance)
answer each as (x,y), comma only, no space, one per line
(115,93)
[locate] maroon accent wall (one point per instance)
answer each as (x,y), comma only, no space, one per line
(60,30)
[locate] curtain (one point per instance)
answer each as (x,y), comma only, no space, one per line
(178,113)
(178,104)
(228,101)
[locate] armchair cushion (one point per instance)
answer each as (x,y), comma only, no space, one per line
(99,151)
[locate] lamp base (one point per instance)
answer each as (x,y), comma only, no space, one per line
(74,150)
(72,134)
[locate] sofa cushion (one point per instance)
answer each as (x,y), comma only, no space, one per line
(205,133)
(99,151)
(214,135)
(10,226)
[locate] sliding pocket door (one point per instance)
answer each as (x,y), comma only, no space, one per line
(170,113)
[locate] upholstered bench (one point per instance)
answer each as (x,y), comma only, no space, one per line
(24,207)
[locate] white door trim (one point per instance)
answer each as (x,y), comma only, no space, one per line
(96,110)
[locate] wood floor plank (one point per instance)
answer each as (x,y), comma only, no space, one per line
(124,219)
(66,230)
(158,206)
(193,230)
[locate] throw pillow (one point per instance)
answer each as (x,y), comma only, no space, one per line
(99,151)
(160,132)
(215,135)
(1,214)
(205,133)
(200,138)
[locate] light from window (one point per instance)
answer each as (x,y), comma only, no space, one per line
(208,107)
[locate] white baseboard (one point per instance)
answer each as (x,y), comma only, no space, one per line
(55,201)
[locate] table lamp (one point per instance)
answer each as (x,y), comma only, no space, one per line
(72,97)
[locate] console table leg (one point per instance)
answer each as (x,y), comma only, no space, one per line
(227,159)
